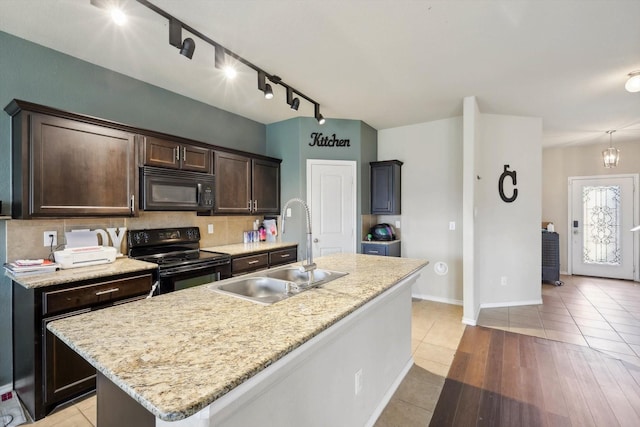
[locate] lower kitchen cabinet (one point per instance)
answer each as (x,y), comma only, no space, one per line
(382,248)
(243,264)
(46,372)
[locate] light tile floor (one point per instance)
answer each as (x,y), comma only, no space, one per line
(436,332)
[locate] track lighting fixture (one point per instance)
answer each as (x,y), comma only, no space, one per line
(317,114)
(633,83)
(294,103)
(264,86)
(222,58)
(175,39)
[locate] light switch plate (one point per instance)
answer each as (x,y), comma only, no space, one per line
(210,228)
(452,225)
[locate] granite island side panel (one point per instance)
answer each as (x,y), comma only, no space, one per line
(177,353)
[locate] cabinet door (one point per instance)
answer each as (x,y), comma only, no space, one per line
(66,373)
(161,152)
(381,188)
(233,183)
(197,159)
(266,186)
(80,169)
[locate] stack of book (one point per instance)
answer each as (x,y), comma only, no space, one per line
(25,267)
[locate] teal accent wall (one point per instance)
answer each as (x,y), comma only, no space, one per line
(37,74)
(289,140)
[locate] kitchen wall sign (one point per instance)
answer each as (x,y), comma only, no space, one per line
(512,175)
(320,140)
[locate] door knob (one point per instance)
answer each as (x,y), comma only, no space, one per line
(315,240)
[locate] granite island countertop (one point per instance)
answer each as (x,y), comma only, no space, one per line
(119,266)
(236,249)
(177,353)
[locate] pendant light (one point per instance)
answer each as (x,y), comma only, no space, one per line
(610,156)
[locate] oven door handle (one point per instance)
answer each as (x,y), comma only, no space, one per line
(199,194)
(173,271)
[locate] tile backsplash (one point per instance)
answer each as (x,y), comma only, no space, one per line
(25,237)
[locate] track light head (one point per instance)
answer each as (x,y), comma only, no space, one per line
(264,86)
(220,61)
(633,83)
(294,103)
(114,9)
(188,46)
(175,39)
(317,114)
(268,92)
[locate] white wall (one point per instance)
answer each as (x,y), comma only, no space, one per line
(504,239)
(507,235)
(431,198)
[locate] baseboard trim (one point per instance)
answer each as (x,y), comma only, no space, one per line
(510,303)
(437,299)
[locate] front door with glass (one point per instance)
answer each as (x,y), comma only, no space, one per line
(602,214)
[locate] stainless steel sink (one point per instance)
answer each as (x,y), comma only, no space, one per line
(294,274)
(272,286)
(265,290)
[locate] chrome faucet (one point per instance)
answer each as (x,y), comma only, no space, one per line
(310,265)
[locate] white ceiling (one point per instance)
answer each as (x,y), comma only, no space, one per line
(387,62)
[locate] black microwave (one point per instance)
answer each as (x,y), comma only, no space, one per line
(175,190)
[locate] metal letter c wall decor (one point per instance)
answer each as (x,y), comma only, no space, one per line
(505,174)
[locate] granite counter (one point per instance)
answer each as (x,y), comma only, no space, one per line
(177,353)
(249,248)
(121,265)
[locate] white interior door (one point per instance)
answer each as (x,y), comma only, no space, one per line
(602,213)
(331,197)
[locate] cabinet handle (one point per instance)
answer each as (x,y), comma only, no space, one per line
(255,261)
(388,204)
(249,205)
(108,291)
(255,205)
(285,256)
(133,204)
(374,252)
(184,154)
(176,150)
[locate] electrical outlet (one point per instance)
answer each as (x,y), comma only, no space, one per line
(47,238)
(397,224)
(503,280)
(210,228)
(452,225)
(358,382)
(288,212)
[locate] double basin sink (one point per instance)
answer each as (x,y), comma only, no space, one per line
(271,286)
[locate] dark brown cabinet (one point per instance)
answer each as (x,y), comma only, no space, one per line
(175,155)
(243,264)
(246,185)
(46,372)
(61,167)
(385,187)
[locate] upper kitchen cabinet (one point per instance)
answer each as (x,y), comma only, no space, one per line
(67,165)
(246,185)
(175,155)
(385,187)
